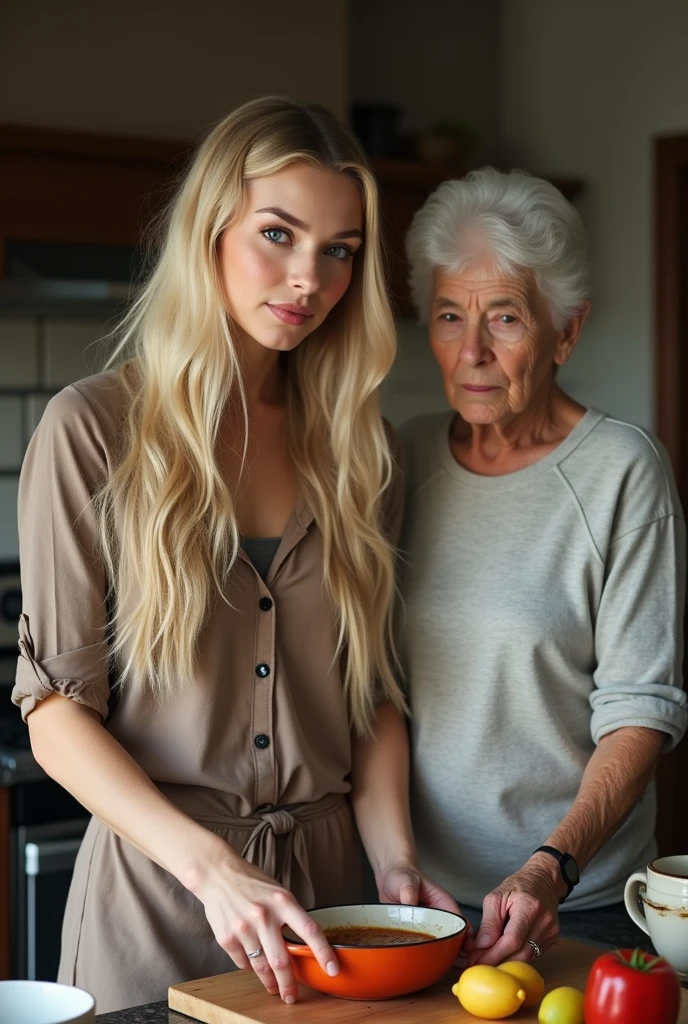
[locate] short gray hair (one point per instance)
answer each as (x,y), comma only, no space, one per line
(526,224)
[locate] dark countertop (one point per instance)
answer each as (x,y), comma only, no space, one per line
(610,926)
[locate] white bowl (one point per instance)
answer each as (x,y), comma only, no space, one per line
(45,1002)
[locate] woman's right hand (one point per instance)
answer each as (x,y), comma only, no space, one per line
(246,910)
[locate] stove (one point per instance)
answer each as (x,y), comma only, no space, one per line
(46,823)
(17,763)
(13,733)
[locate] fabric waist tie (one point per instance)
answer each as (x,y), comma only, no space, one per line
(294,871)
(260,849)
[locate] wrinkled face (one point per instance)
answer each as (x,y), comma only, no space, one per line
(288,259)
(494,341)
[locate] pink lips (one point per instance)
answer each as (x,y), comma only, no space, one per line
(290,314)
(479,388)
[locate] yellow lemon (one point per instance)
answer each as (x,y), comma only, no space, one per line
(562,1006)
(488,992)
(529,978)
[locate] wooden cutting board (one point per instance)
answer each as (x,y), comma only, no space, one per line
(239,998)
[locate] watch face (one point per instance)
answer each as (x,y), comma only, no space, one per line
(570,870)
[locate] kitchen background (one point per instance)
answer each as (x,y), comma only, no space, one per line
(572,90)
(576,90)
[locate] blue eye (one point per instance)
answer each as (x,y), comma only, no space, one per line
(339,252)
(277,236)
(507,318)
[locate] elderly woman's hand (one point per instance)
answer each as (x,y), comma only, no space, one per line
(405,883)
(524,907)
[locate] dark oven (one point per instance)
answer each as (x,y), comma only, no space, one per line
(46,824)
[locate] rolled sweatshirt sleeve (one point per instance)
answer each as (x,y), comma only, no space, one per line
(62,631)
(639,632)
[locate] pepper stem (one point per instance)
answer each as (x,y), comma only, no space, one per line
(638,961)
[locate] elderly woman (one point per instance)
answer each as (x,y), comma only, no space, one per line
(544,580)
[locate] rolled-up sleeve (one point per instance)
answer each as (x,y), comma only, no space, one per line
(62,631)
(639,633)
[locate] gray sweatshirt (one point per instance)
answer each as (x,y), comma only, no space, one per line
(544,609)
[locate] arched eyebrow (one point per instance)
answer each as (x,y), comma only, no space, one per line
(302,226)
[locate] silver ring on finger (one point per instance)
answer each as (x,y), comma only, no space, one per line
(536,949)
(255,954)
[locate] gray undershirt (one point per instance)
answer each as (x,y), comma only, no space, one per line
(261,551)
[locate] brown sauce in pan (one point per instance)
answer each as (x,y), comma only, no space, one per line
(352,935)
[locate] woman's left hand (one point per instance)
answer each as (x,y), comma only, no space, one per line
(405,883)
(524,907)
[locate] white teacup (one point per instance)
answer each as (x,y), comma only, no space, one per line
(663,892)
(45,1002)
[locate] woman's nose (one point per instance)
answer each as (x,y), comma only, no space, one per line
(303,273)
(475,349)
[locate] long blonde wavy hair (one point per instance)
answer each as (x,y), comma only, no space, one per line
(178,537)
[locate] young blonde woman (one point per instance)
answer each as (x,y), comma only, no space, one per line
(208,526)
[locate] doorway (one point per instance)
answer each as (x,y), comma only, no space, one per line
(671,417)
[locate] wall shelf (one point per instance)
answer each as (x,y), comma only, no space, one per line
(77,187)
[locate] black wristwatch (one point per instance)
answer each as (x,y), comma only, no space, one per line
(567,866)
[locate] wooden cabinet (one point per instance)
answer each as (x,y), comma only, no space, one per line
(671,382)
(404,187)
(76,187)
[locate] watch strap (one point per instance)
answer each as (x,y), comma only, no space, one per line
(562,859)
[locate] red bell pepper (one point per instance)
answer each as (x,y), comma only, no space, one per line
(632,987)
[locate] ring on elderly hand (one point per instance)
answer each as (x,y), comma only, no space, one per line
(259,952)
(535,946)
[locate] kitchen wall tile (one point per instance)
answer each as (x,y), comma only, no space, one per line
(35,407)
(73,349)
(18,353)
(9,538)
(11,448)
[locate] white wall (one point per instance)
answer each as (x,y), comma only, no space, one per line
(166,69)
(436,59)
(585,86)
(414,386)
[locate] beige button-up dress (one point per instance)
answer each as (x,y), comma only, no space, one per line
(257,749)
